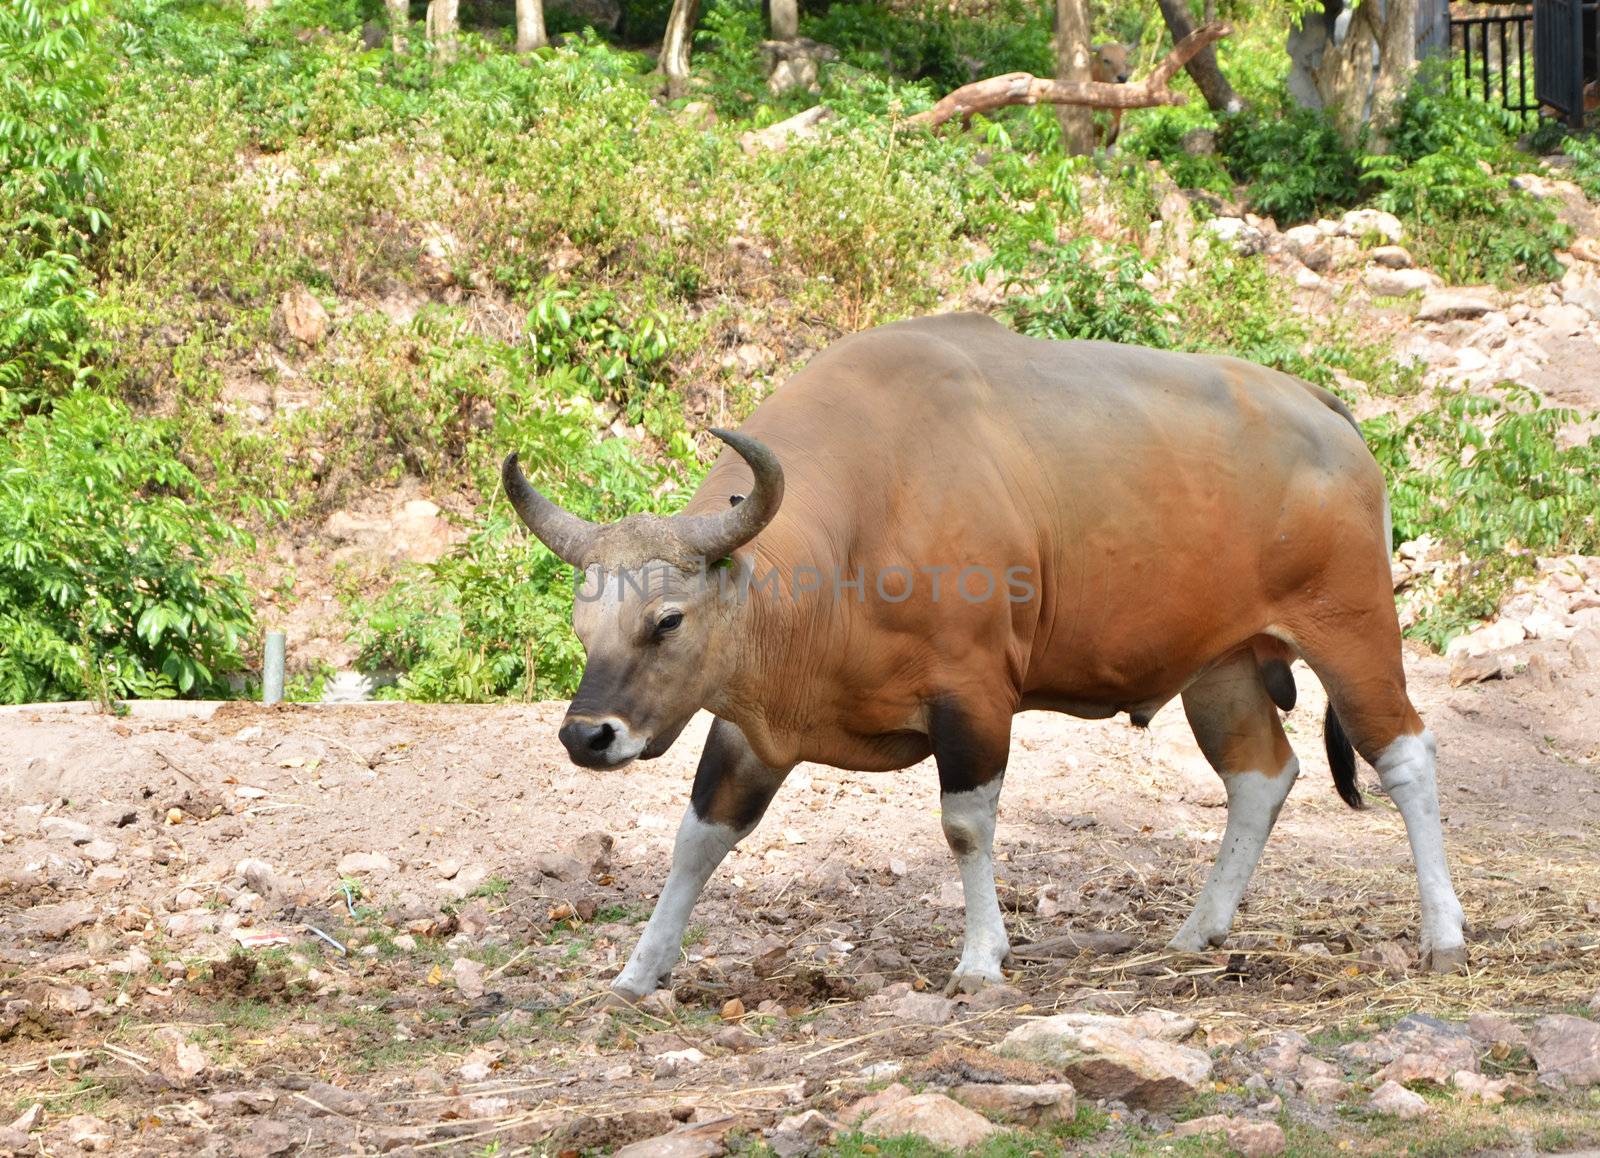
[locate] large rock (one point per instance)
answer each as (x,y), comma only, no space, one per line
(1037,1105)
(1238,233)
(1132,1059)
(934,1117)
(778,137)
(1486,640)
(1567,1050)
(1361,223)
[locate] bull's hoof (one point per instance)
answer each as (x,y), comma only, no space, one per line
(973,981)
(626,992)
(1451,960)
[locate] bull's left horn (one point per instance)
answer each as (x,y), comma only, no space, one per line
(716,536)
(564,533)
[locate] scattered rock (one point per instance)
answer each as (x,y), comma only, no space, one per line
(801,1134)
(106,876)
(1443,305)
(1491,1091)
(872,1103)
(678,1061)
(1473,669)
(1562,318)
(1361,223)
(1131,1059)
(29,1119)
(1491,637)
(468,976)
(52,922)
(89,1133)
(934,1117)
(66,829)
(304,319)
(268,1138)
(923,1009)
(1567,1050)
(1393,257)
(1397,283)
(1395,1100)
(1491,1028)
(778,137)
(1245,238)
(585,858)
(1026,1105)
(701,114)
(1418,1048)
(1256,1139)
(358,863)
(706,1140)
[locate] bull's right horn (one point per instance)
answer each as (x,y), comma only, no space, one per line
(567,536)
(719,535)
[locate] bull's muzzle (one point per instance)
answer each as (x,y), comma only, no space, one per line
(600,741)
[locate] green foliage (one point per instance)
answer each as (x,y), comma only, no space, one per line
(52,160)
(1292,159)
(1442,177)
(493,619)
(1076,289)
(936,43)
(107,542)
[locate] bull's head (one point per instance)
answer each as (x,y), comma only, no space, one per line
(1110,63)
(654,617)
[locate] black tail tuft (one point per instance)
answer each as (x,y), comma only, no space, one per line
(1342,759)
(1279,680)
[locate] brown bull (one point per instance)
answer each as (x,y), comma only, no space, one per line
(967,524)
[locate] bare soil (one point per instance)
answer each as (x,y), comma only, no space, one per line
(844,899)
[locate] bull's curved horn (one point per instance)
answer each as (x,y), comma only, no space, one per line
(565,534)
(716,536)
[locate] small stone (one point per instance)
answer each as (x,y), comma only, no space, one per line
(872,1103)
(1236,232)
(66,829)
(1395,1100)
(690,1142)
(468,976)
(1360,223)
(934,1117)
(1131,1059)
(89,1132)
(801,1134)
(259,875)
(359,863)
(1473,669)
(99,850)
(1491,1028)
(678,1061)
(923,1009)
(1307,279)
(1256,1139)
(1491,637)
(1562,318)
(104,877)
(1026,1105)
(304,317)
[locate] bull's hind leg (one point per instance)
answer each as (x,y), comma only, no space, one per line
(731,792)
(1366,683)
(1236,725)
(971,751)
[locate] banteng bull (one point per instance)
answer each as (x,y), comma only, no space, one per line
(938,524)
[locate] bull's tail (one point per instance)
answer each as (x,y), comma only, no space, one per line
(1341,759)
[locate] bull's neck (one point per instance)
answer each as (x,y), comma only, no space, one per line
(781,623)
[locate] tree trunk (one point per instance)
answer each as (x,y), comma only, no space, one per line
(1072,67)
(530,25)
(399,16)
(785,19)
(1205,71)
(675,46)
(1355,63)
(441,27)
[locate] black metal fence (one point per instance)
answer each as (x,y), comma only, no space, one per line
(1494,49)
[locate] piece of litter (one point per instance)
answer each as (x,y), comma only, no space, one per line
(313,929)
(261,938)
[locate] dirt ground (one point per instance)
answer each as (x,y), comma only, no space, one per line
(469,1012)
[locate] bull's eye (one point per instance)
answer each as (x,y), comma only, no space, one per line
(668,622)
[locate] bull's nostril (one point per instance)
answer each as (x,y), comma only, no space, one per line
(601,740)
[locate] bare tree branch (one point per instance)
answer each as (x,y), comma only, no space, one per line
(1023,88)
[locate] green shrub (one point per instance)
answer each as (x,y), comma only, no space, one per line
(492,619)
(1077,289)
(1292,159)
(52,161)
(1442,179)
(107,544)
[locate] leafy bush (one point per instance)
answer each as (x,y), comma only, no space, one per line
(1292,159)
(1441,178)
(1077,289)
(934,43)
(493,618)
(107,543)
(52,158)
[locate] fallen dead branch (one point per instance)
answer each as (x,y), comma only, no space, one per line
(1023,88)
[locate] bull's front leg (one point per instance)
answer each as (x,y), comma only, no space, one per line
(732,789)
(970,750)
